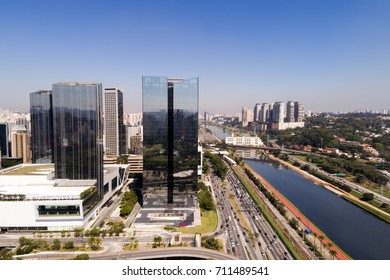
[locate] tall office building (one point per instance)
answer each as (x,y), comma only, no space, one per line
(278,112)
(41,110)
(20,143)
(114,128)
(256,112)
(170,118)
(299,114)
(4,140)
(247,116)
(264,113)
(290,112)
(77,130)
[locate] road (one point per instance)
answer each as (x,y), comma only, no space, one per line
(291,234)
(263,237)
(177,252)
(252,237)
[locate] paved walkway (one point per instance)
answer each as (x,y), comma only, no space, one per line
(339,254)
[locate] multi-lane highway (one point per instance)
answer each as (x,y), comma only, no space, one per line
(252,237)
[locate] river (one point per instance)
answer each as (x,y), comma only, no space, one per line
(218,132)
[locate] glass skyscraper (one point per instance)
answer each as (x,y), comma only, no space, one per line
(170,121)
(4,140)
(78,135)
(41,111)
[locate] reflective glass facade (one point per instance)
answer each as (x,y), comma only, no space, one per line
(77,126)
(170,121)
(4,139)
(41,126)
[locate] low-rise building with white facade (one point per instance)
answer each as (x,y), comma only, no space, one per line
(244,141)
(286,125)
(31,199)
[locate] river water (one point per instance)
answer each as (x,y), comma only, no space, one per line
(219,132)
(358,233)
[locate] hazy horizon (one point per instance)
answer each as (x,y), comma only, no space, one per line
(330,55)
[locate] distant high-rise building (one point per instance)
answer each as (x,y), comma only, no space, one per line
(278,112)
(271,112)
(20,143)
(264,113)
(114,128)
(290,112)
(256,112)
(299,114)
(206,118)
(77,130)
(247,116)
(133,119)
(170,118)
(4,140)
(41,110)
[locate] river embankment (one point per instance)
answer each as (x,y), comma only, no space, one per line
(347,196)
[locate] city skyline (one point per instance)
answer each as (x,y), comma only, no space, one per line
(330,55)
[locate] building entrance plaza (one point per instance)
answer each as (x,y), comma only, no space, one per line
(184,212)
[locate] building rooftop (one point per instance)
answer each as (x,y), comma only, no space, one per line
(28,169)
(35,181)
(77,84)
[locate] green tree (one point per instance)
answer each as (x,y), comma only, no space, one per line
(78,231)
(56,244)
(293,223)
(4,255)
(333,253)
(69,245)
(211,243)
(94,232)
(82,257)
(25,241)
(367,196)
(94,242)
(384,205)
(157,240)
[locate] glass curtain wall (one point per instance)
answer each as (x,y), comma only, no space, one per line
(41,111)
(170,120)
(78,152)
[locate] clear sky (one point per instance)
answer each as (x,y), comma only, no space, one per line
(332,55)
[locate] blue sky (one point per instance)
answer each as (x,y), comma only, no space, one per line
(331,55)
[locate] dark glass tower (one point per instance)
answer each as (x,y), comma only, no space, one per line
(41,110)
(77,126)
(170,121)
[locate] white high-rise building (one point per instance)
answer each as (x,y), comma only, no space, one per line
(264,113)
(278,112)
(299,114)
(114,129)
(21,143)
(247,116)
(256,112)
(290,112)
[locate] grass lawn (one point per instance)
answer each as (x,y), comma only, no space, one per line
(28,170)
(209,224)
